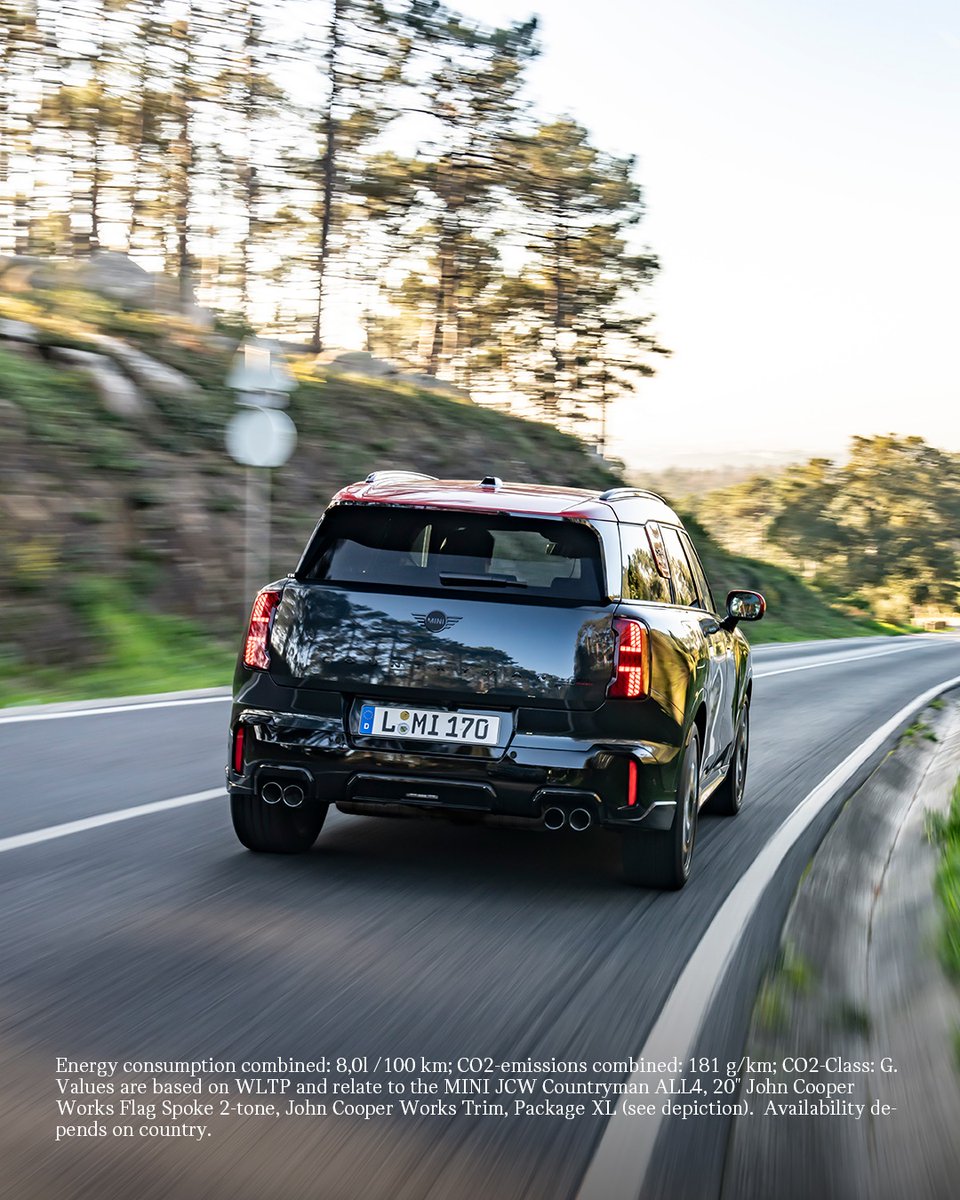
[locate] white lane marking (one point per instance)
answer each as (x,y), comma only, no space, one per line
(110,818)
(831,661)
(14,718)
(620,1164)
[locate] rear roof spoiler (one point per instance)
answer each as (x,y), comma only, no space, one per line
(626,493)
(396,476)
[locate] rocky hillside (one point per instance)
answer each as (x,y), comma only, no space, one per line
(121,516)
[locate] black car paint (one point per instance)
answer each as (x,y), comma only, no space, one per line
(333,647)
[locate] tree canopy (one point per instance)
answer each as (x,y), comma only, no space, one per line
(880,530)
(290,163)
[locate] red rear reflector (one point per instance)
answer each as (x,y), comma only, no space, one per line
(632,783)
(238,749)
(256,652)
(630,661)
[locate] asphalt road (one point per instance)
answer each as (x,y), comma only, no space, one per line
(159,937)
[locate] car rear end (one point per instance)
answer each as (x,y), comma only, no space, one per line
(454,649)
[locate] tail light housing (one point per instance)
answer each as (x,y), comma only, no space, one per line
(631,660)
(256,646)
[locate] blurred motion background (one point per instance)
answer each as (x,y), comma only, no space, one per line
(456,274)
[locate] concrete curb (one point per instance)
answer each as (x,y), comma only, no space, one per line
(859,978)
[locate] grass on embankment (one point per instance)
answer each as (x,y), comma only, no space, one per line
(944,831)
(135,652)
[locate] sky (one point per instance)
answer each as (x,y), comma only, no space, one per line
(802,182)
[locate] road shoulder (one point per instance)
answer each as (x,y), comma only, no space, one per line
(858,978)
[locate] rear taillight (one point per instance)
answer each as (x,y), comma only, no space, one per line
(256,651)
(631,661)
(238,749)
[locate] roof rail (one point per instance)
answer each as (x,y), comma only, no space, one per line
(624,493)
(395,476)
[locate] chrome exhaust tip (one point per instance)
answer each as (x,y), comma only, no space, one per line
(581,819)
(554,818)
(271,793)
(293,795)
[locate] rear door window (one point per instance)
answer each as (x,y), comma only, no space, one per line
(698,573)
(641,579)
(684,585)
(416,550)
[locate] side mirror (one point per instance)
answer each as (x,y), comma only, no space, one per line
(743,606)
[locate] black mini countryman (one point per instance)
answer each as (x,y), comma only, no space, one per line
(493,649)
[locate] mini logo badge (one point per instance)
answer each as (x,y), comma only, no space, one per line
(435,622)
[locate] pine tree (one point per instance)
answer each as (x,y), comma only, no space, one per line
(21,51)
(470,85)
(572,307)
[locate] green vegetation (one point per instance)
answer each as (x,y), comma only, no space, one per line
(130,651)
(795,610)
(876,535)
(944,831)
(918,729)
(853,1018)
(789,977)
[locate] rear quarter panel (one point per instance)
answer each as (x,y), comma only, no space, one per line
(678,661)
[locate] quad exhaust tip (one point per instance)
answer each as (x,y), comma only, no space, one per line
(272,792)
(293,795)
(578,819)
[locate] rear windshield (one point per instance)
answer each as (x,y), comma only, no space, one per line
(422,550)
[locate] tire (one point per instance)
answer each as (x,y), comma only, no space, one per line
(274,828)
(727,800)
(663,858)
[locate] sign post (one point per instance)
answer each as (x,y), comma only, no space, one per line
(260,436)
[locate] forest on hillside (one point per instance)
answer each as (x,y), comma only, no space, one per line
(879,532)
(302,166)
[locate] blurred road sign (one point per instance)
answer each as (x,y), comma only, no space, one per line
(261,437)
(259,373)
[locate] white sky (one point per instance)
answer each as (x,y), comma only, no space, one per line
(803,192)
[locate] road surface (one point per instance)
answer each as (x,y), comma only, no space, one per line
(158,937)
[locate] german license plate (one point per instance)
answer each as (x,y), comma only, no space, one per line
(428,725)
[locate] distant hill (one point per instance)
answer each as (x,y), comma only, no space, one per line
(688,484)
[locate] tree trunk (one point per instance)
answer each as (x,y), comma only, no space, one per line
(138,138)
(183,157)
(248,179)
(329,164)
(442,347)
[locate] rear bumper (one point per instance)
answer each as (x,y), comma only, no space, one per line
(534,773)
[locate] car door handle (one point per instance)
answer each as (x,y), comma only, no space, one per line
(709,625)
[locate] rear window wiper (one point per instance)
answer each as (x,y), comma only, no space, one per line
(449,579)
